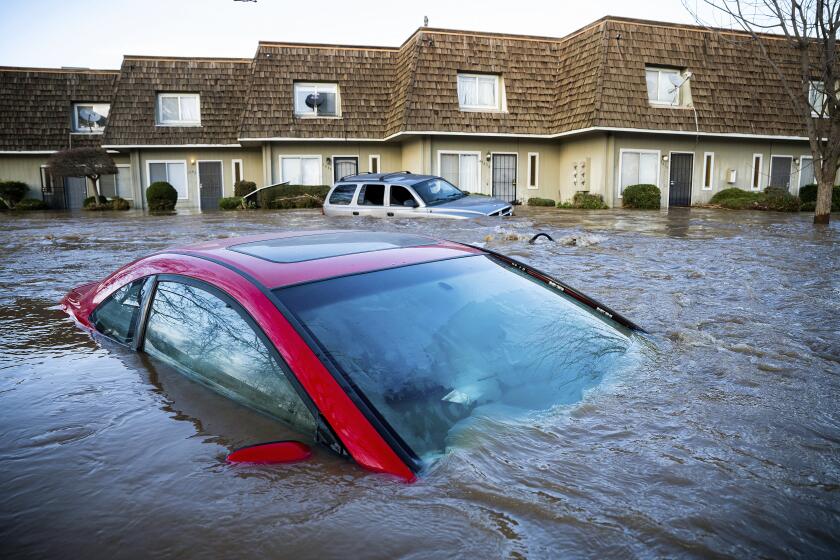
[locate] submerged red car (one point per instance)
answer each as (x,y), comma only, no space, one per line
(380,346)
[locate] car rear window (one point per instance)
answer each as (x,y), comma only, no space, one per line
(342,194)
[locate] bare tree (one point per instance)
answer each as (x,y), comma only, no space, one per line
(807,69)
(92,163)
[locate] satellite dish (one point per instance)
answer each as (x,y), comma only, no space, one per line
(314,100)
(92,117)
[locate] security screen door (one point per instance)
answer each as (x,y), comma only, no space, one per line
(780,168)
(504,177)
(682,169)
(210,184)
(344,166)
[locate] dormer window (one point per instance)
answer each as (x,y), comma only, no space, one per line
(317,100)
(666,86)
(90,118)
(178,109)
(480,92)
(817,97)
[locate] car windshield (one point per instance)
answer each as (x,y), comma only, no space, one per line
(437,191)
(433,345)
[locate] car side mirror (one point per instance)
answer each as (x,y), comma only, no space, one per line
(271,453)
(410,203)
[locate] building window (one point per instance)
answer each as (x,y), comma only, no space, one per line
(817,97)
(638,167)
(90,118)
(664,86)
(533,170)
(373,163)
(708,171)
(301,170)
(117,185)
(179,109)
(317,100)
(479,92)
(173,172)
(237,172)
(756,172)
(462,169)
(806,171)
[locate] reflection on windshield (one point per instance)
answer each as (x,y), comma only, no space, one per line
(433,344)
(437,191)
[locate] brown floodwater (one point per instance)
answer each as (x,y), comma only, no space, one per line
(724,441)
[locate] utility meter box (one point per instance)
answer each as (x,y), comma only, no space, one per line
(731,176)
(580,174)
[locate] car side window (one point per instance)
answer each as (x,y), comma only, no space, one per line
(400,195)
(116,317)
(342,194)
(204,336)
(372,195)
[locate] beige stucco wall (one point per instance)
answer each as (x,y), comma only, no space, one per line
(27,169)
(390,156)
(729,154)
(251,164)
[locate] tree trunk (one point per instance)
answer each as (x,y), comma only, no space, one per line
(822,212)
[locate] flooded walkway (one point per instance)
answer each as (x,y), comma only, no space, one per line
(724,442)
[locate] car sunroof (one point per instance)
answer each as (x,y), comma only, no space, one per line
(326,245)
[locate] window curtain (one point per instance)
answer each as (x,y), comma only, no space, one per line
(469,173)
(449,168)
(189,109)
(639,168)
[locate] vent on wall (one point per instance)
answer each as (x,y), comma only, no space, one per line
(580,175)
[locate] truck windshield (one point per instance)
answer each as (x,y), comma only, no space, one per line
(434,344)
(437,191)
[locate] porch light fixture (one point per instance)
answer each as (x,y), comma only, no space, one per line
(329,161)
(665,158)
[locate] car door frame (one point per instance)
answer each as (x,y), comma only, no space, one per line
(324,433)
(403,211)
(372,211)
(343,209)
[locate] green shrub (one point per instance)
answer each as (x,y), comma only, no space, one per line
(12,192)
(808,193)
(230,203)
(161,197)
(31,204)
(536,201)
(808,206)
(118,203)
(771,199)
(643,197)
(565,205)
(241,188)
(293,196)
(588,201)
(90,203)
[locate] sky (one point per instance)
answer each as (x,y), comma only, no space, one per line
(97,33)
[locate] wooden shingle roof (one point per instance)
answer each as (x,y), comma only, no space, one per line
(36,106)
(222,84)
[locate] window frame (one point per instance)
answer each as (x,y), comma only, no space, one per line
(619,190)
(711,172)
(280,158)
(316,86)
(460,153)
(756,178)
(378,160)
(536,170)
(75,129)
(678,102)
(324,432)
(799,173)
(186,174)
(790,176)
(498,92)
(233,163)
(812,88)
(160,121)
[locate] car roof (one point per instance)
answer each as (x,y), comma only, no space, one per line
(285,258)
(396,178)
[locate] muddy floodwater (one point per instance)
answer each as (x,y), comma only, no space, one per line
(724,441)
